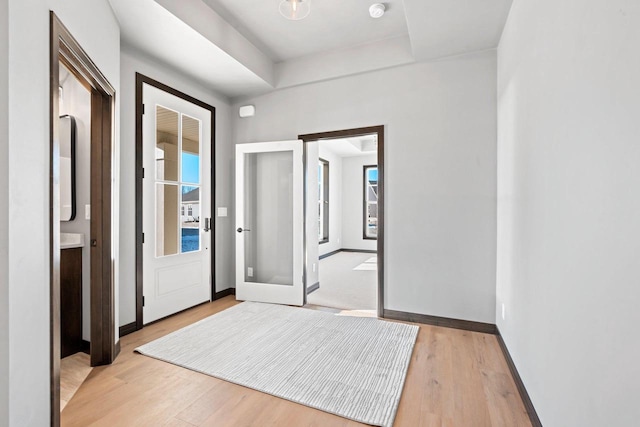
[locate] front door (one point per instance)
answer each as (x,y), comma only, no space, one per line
(176,204)
(269,222)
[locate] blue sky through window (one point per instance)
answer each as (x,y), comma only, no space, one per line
(372,174)
(190,168)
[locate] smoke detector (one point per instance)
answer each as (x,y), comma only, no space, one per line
(376,10)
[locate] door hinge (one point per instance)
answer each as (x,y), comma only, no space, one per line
(142,237)
(142,108)
(142,172)
(143,301)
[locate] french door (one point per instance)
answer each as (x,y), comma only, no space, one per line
(269,222)
(176,204)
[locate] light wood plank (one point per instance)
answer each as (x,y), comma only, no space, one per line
(74,370)
(456,378)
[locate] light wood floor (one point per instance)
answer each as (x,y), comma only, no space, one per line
(456,378)
(74,370)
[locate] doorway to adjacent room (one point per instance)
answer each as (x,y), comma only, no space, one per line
(68,60)
(349,218)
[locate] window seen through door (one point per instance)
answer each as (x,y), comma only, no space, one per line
(370,202)
(323,201)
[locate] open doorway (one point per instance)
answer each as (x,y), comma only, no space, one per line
(82,306)
(75,228)
(345,181)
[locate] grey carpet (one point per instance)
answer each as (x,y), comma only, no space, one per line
(349,366)
(342,286)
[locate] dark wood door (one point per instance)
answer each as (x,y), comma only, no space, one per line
(70,301)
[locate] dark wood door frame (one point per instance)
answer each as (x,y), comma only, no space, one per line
(141,80)
(64,49)
(349,133)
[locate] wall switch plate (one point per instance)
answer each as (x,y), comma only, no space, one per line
(250,271)
(222,211)
(502,311)
(87,211)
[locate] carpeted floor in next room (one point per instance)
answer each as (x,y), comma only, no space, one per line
(347,281)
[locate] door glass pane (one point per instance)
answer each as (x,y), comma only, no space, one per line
(166,219)
(269,217)
(166,144)
(190,218)
(190,150)
(177,212)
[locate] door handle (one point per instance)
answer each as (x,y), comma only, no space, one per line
(240,229)
(207,224)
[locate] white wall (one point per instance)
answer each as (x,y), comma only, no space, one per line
(77,102)
(353,202)
(440,125)
(132,62)
(4,253)
(568,203)
(335,200)
(349,61)
(96,29)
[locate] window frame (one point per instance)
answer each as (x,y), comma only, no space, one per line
(324,199)
(366,202)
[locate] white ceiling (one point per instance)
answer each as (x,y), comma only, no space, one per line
(440,28)
(147,26)
(351,147)
(331,25)
(245,47)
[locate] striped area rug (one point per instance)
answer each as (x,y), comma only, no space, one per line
(348,366)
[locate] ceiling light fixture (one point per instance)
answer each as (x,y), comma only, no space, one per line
(377,10)
(295,10)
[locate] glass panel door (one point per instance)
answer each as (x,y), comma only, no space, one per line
(176,193)
(269,216)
